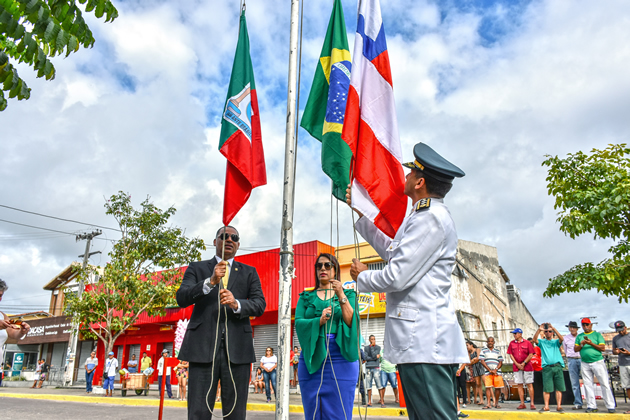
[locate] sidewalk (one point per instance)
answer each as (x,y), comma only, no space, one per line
(258,402)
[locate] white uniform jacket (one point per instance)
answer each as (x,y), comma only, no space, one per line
(420,321)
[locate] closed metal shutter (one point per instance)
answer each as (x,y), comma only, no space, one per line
(169,347)
(134,349)
(265,336)
(119,355)
(85,349)
(375,327)
(296,341)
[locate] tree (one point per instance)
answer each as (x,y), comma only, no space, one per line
(593,195)
(130,284)
(32,31)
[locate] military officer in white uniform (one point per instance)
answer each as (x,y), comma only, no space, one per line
(422,335)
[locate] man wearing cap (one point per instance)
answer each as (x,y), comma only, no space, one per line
(591,344)
(218,344)
(422,335)
(111,365)
(621,346)
(552,364)
(521,351)
(574,363)
(161,375)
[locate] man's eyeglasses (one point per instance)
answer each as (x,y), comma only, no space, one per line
(325,266)
(226,236)
(548,331)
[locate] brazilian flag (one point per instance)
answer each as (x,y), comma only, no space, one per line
(326,107)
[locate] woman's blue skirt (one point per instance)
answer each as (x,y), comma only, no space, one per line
(337,390)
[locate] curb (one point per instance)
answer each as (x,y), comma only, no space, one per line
(520,415)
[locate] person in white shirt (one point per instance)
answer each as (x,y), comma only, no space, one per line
(160,368)
(574,363)
(268,363)
(90,365)
(111,365)
(422,335)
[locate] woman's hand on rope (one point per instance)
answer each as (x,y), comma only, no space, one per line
(338,288)
(326,314)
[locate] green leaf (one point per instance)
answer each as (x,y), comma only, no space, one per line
(3,102)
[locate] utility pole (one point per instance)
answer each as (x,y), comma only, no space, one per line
(74,335)
(286,230)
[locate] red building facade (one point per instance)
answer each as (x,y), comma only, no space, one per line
(153,334)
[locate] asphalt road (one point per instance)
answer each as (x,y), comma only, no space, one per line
(21,408)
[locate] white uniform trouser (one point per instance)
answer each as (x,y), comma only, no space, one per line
(598,369)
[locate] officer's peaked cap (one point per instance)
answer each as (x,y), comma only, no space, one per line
(433,164)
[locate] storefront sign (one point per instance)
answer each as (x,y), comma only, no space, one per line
(48,330)
(372,303)
(18,361)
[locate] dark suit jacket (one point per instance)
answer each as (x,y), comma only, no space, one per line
(244,283)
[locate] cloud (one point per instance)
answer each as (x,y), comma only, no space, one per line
(493,86)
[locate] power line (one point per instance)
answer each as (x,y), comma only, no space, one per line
(41,228)
(58,218)
(37,227)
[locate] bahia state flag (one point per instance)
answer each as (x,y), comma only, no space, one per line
(371,126)
(324,112)
(241,141)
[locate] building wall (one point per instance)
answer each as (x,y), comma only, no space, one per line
(480,295)
(521,317)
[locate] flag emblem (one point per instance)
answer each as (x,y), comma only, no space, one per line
(238,111)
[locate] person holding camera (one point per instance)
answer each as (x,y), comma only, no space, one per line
(621,344)
(552,364)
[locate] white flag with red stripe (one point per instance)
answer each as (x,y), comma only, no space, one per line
(371,127)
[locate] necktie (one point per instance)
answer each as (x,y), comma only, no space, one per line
(227,275)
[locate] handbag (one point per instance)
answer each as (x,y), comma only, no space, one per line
(105,372)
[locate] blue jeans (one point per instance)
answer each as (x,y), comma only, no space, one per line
(373,374)
(389,377)
(270,375)
(89,378)
(168,385)
(108,383)
(574,374)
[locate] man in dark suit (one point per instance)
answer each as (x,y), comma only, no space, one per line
(238,288)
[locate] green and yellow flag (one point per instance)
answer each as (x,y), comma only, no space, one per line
(324,112)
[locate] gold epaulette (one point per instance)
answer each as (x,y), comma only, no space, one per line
(423,204)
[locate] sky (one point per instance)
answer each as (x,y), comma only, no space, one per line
(493,86)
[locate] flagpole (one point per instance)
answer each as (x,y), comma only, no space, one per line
(286,230)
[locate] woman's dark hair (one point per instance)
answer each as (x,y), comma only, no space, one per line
(333,260)
(259,369)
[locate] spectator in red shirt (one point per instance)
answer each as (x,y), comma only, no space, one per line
(537,359)
(521,351)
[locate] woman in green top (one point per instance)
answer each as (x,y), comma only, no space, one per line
(326,322)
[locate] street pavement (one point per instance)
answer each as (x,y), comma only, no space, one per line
(73,403)
(20,409)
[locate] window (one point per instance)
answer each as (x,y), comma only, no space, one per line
(377,266)
(494,330)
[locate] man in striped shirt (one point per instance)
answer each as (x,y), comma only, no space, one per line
(492,360)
